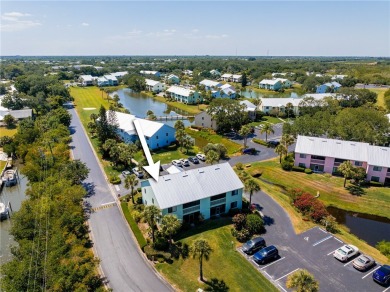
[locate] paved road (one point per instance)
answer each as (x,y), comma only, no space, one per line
(311,250)
(121,261)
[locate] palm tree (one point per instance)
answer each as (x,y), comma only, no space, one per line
(281,150)
(179,125)
(302,281)
(188,142)
(287,140)
(267,129)
(244,132)
(151,214)
(347,169)
(251,186)
(130,182)
(170,225)
(289,107)
(201,249)
(212,156)
(180,136)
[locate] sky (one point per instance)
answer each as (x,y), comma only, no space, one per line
(252,28)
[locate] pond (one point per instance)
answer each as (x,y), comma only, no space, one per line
(370,228)
(15,195)
(138,104)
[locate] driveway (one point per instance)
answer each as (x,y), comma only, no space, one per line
(121,262)
(311,250)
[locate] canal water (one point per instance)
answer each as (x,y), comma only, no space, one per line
(138,104)
(15,195)
(370,228)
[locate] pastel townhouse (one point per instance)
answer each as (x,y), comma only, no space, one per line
(285,82)
(328,87)
(250,108)
(184,95)
(210,84)
(154,86)
(326,155)
(236,78)
(107,80)
(172,79)
(269,84)
(86,80)
(151,73)
(204,192)
(205,120)
(227,77)
(157,134)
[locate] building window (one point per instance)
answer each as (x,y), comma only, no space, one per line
(217,197)
(377,168)
(158,145)
(302,155)
(144,191)
(358,163)
(317,157)
(375,178)
(235,193)
(202,118)
(172,209)
(157,137)
(152,201)
(233,205)
(191,204)
(166,134)
(302,165)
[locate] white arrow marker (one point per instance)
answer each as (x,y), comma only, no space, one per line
(153,168)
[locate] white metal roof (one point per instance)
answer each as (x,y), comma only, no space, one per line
(227,85)
(319,96)
(86,77)
(249,106)
(332,148)
(269,81)
(279,102)
(125,123)
(172,76)
(226,75)
(196,184)
(210,83)
(378,156)
(237,76)
(173,169)
(151,82)
(180,90)
(110,77)
(148,72)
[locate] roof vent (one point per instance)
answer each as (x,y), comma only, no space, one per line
(201,171)
(167,179)
(338,142)
(185,175)
(217,168)
(353,144)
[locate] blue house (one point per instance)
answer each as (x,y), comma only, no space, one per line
(273,84)
(184,95)
(328,87)
(157,134)
(197,193)
(173,79)
(224,91)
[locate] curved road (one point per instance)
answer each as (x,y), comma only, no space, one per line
(121,261)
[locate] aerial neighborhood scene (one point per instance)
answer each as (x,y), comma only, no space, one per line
(195,146)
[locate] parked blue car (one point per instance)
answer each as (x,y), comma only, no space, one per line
(382,275)
(266,254)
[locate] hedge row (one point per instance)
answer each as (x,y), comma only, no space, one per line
(259,141)
(133,225)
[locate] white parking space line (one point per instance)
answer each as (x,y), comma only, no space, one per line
(272,263)
(348,263)
(255,263)
(282,288)
(338,240)
(382,291)
(322,230)
(117,188)
(332,251)
(287,274)
(108,203)
(267,274)
(371,272)
(322,240)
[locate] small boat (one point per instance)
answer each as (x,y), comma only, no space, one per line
(4,211)
(9,177)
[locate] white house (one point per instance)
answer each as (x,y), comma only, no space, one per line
(224,91)
(226,77)
(157,134)
(107,80)
(338,77)
(203,119)
(86,80)
(152,73)
(119,74)
(215,73)
(236,78)
(203,192)
(184,95)
(210,84)
(285,82)
(188,72)
(273,84)
(250,108)
(154,86)
(173,79)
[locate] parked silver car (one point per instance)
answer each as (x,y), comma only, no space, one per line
(363,262)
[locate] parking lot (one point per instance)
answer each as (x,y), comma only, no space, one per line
(313,250)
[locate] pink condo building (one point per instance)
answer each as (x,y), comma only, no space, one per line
(325,155)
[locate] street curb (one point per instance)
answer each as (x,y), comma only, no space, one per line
(118,203)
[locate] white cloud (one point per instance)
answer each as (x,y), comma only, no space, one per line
(85,24)
(195,30)
(16,21)
(215,36)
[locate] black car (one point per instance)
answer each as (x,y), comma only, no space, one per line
(266,254)
(253,245)
(273,144)
(194,160)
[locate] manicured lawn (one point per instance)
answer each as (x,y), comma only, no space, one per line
(170,153)
(7,132)
(225,262)
(190,108)
(209,137)
(376,200)
(381,96)
(265,120)
(133,225)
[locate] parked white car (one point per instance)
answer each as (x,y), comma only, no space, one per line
(138,172)
(346,252)
(185,162)
(176,162)
(201,156)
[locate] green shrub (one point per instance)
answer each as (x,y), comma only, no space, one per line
(133,225)
(160,243)
(239,221)
(239,166)
(115,180)
(153,254)
(243,235)
(137,216)
(287,165)
(259,141)
(376,184)
(196,127)
(298,169)
(308,171)
(254,224)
